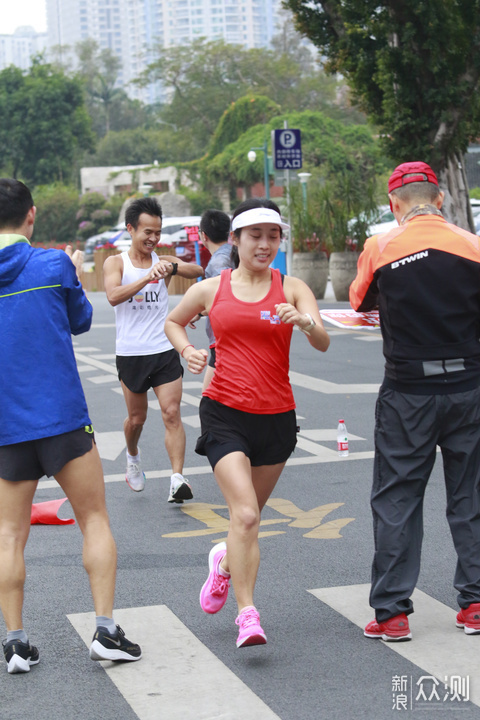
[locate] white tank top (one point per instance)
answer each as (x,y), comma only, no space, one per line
(140,321)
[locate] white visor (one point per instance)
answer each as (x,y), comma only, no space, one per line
(255,216)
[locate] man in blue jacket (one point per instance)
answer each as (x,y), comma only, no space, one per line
(45,428)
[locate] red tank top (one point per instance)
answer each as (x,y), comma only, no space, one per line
(252,351)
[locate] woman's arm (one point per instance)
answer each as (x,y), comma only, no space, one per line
(301,309)
(195,301)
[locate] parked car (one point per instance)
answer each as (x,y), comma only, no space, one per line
(101,239)
(90,245)
(179,232)
(384,220)
(122,240)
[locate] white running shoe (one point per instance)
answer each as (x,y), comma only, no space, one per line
(135,477)
(180,489)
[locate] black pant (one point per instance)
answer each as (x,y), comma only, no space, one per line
(407,430)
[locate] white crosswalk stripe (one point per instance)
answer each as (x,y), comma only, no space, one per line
(438,646)
(173,658)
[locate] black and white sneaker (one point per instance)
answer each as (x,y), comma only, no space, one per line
(113,647)
(180,489)
(19,656)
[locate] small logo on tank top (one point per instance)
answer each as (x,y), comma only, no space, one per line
(149,296)
(273,319)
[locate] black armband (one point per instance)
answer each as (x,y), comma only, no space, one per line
(174,268)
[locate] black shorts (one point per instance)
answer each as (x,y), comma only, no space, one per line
(33,459)
(264,439)
(212,358)
(141,372)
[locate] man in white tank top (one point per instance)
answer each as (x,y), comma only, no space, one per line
(136,283)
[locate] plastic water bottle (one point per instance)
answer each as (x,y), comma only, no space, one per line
(342,439)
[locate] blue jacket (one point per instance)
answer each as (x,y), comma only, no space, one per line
(41,304)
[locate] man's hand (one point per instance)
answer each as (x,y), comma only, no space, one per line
(160,270)
(77,259)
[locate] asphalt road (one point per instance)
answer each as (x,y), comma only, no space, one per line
(316,537)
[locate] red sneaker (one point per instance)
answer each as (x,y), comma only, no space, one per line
(469,619)
(392,630)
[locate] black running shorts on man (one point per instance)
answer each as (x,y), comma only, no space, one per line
(33,459)
(141,372)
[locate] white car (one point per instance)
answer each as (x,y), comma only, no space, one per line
(385,221)
(123,241)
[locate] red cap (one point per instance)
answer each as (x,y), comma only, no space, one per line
(411,172)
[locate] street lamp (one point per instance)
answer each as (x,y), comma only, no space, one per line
(303,177)
(252,156)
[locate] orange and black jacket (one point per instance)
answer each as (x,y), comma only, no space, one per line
(424,277)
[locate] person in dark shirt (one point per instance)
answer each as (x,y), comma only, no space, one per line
(424,277)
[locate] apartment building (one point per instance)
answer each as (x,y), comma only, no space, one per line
(133,28)
(17,49)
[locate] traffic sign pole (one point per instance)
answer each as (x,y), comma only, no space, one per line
(287,155)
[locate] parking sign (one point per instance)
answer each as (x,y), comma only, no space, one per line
(287,149)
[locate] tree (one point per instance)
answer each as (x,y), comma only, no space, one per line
(334,148)
(141,146)
(44,124)
(109,105)
(93,215)
(415,70)
(241,115)
(55,221)
(339,211)
(205,78)
(131,147)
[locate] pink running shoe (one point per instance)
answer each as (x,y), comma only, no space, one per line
(214,592)
(250,632)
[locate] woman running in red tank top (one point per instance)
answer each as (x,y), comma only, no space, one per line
(247,412)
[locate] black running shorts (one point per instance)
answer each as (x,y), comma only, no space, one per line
(141,372)
(264,439)
(33,459)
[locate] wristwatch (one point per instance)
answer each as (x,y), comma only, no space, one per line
(174,268)
(309,327)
